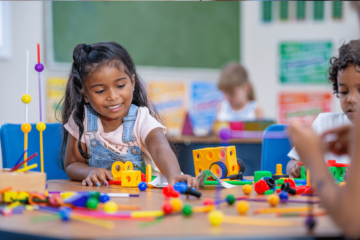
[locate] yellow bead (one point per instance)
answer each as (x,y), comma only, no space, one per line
(216,217)
(41,126)
(242,207)
(273,200)
(65,195)
(247,189)
(26,98)
(26,127)
(342,184)
(110,207)
(176,204)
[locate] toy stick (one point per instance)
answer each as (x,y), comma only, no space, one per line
(27,168)
(5,190)
(122,195)
(102,223)
(259,222)
(281,210)
(318,214)
(142,214)
(22,155)
(27,84)
(206,208)
(27,160)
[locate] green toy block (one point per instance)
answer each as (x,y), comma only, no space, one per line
(260,174)
(303,172)
(280,182)
(333,172)
(340,173)
(269,192)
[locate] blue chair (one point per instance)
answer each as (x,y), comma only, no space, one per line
(275,150)
(12,146)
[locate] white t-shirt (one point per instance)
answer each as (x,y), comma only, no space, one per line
(144,124)
(227,114)
(324,122)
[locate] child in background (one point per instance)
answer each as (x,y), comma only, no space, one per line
(240,104)
(345,78)
(109,118)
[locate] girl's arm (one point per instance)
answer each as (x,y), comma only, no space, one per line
(77,169)
(340,202)
(259,112)
(165,159)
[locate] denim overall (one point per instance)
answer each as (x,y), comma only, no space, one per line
(102,157)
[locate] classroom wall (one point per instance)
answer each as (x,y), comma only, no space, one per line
(260,44)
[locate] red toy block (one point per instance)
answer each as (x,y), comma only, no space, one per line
(332,163)
(300,189)
(261,187)
(291,182)
(143,177)
(114,182)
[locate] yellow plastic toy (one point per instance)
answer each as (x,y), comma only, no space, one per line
(221,161)
(130,177)
(116,170)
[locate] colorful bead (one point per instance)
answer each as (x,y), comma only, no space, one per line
(40,126)
(216,217)
(142,186)
(167,208)
(187,210)
(26,127)
(26,98)
(92,203)
(176,204)
(273,200)
(39,67)
(65,213)
(110,207)
(247,189)
(230,199)
(208,201)
(284,195)
(242,207)
(104,198)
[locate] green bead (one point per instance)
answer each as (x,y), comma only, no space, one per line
(230,199)
(92,203)
(95,195)
(187,210)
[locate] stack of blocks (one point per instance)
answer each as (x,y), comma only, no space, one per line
(128,177)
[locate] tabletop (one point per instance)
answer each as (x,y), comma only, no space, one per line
(174,226)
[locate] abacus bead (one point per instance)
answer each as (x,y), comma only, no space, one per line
(26,98)
(26,127)
(39,67)
(41,126)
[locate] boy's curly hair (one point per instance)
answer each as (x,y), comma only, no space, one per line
(348,53)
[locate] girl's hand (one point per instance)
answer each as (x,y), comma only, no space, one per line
(96,176)
(296,171)
(191,181)
(339,144)
(308,144)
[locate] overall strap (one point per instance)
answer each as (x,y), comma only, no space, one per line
(129,122)
(92,117)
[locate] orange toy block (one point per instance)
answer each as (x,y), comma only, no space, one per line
(130,178)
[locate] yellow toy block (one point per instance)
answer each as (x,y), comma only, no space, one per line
(22,196)
(148,173)
(203,158)
(10,196)
(116,170)
(130,178)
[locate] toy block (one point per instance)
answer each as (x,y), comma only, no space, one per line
(333,163)
(279,173)
(148,173)
(303,172)
(22,196)
(116,170)
(78,200)
(130,178)
(29,181)
(260,174)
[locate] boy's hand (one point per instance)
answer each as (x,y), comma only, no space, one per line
(191,181)
(96,176)
(340,139)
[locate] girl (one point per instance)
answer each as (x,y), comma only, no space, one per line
(345,79)
(109,118)
(240,104)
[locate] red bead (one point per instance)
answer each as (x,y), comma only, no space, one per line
(167,207)
(261,187)
(167,191)
(208,201)
(300,189)
(175,194)
(143,177)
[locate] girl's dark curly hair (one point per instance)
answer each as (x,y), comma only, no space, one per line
(348,53)
(86,60)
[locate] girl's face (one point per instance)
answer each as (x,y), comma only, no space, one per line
(349,90)
(110,92)
(238,97)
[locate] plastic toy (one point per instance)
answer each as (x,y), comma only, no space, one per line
(116,170)
(65,213)
(273,200)
(130,178)
(261,187)
(242,207)
(110,207)
(208,201)
(281,210)
(142,186)
(286,187)
(221,161)
(279,173)
(182,188)
(26,99)
(260,174)
(216,217)
(92,203)
(187,210)
(148,173)
(176,204)
(230,199)
(167,208)
(170,191)
(247,189)
(283,196)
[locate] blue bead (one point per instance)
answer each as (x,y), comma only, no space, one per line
(284,195)
(142,186)
(104,198)
(180,187)
(65,213)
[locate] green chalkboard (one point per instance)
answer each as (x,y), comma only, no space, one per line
(170,34)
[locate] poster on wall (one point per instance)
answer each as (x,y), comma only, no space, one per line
(55,92)
(170,99)
(303,106)
(304,62)
(203,102)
